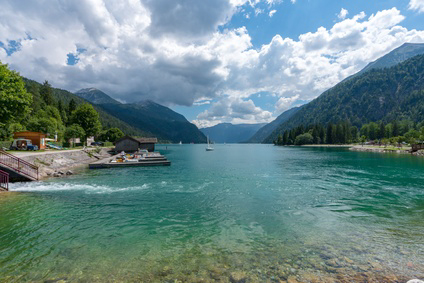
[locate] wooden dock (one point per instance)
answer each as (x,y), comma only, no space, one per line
(158,160)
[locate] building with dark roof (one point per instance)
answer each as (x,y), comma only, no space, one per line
(131,144)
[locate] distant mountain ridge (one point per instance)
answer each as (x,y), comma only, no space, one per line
(396,56)
(107,120)
(96,96)
(267,129)
(147,116)
(229,133)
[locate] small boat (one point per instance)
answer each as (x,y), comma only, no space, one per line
(209,147)
(181,143)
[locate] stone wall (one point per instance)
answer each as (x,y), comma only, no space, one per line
(61,162)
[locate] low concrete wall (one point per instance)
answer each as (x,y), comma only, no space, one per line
(58,161)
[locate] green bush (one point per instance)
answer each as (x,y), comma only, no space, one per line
(304,139)
(5,144)
(108,144)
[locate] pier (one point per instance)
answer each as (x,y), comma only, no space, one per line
(149,160)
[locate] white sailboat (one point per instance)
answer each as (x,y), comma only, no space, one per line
(209,147)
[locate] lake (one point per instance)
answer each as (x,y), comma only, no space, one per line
(241,213)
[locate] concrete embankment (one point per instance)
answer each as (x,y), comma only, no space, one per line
(59,163)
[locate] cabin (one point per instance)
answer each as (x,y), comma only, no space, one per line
(38,139)
(131,144)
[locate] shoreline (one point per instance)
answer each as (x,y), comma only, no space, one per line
(60,163)
(378,149)
(366,148)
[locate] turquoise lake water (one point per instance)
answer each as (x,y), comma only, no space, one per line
(242,213)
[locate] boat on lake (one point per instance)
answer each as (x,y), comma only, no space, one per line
(209,147)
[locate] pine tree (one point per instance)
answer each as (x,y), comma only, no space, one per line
(329,135)
(381,131)
(71,107)
(395,130)
(46,92)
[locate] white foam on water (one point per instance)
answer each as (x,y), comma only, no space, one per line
(87,188)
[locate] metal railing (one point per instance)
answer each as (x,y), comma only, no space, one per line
(4,180)
(21,166)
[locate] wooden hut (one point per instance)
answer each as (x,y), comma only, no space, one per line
(36,138)
(131,144)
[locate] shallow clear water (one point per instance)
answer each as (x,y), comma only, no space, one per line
(254,212)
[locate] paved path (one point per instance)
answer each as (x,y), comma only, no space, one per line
(34,153)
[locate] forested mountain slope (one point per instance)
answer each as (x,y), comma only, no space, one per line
(266,130)
(379,94)
(148,116)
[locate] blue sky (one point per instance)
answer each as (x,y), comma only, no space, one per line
(293,19)
(239,61)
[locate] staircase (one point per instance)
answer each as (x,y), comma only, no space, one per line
(18,169)
(4,181)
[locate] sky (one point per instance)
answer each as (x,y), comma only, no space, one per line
(214,61)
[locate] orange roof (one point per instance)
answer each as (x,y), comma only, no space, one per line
(28,133)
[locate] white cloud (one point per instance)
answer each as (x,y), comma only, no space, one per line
(343,13)
(232,109)
(272,12)
(258,11)
(285,103)
(137,50)
(417,5)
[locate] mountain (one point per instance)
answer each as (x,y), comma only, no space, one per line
(398,55)
(387,94)
(229,133)
(147,116)
(266,130)
(96,96)
(107,120)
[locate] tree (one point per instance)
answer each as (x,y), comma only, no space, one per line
(329,135)
(71,107)
(388,131)
(46,92)
(385,141)
(400,140)
(74,131)
(354,133)
(62,112)
(302,139)
(373,131)
(412,136)
(363,139)
(15,102)
(87,118)
(422,134)
(44,125)
(381,131)
(280,139)
(364,131)
(340,135)
(395,128)
(286,137)
(16,127)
